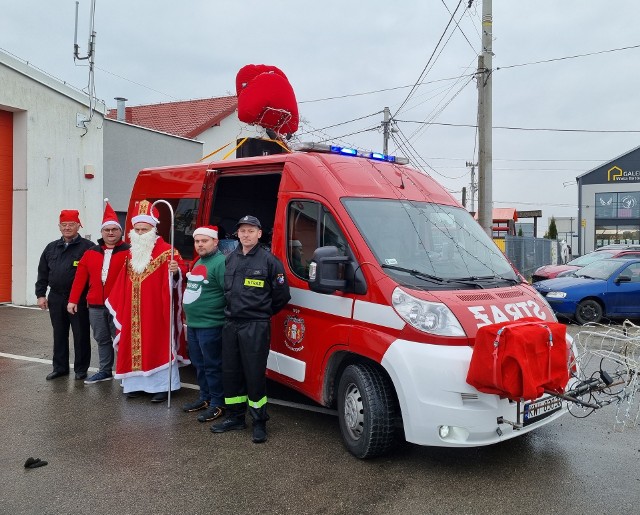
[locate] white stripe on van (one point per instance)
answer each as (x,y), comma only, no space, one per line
(369,312)
(331,304)
(286,365)
(378,314)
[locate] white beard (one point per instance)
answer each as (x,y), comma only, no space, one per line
(141,249)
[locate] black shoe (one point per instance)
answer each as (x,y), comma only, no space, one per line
(159,397)
(33,463)
(80,376)
(55,374)
(230,423)
(134,394)
(259,432)
(211,413)
(195,406)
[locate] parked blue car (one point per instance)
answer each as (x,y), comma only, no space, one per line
(609,288)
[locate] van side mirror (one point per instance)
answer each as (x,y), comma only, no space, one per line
(326,270)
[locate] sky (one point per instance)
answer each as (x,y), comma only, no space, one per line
(563,66)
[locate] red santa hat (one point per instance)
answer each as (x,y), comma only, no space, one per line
(207,230)
(110,217)
(198,274)
(144,212)
(70,215)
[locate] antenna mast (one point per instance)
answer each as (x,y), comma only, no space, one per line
(92,36)
(91,50)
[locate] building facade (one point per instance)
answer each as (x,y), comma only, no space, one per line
(58,151)
(50,159)
(609,203)
(129,148)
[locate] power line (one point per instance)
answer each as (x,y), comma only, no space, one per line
(348,121)
(569,57)
(137,83)
(518,169)
(474,126)
(374,128)
(511,202)
(372,92)
(440,109)
(525,160)
(424,70)
(458,26)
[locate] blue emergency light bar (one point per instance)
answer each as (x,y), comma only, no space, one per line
(343,150)
(346,151)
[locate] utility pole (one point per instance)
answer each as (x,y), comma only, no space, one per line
(386,130)
(485,64)
(474,185)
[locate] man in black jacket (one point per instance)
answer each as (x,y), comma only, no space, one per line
(56,271)
(255,288)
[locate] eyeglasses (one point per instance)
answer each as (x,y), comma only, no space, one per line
(114,229)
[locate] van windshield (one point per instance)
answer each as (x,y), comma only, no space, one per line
(430,246)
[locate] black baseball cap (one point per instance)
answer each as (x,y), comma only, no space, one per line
(251,220)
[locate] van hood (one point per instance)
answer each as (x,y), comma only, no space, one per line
(478,308)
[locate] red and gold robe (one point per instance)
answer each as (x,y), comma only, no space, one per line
(139,304)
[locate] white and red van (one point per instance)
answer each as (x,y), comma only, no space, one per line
(390,280)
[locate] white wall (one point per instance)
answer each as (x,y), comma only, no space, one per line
(50,155)
(229,130)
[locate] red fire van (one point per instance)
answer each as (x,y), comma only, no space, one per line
(390,280)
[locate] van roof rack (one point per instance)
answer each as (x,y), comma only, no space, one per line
(346,151)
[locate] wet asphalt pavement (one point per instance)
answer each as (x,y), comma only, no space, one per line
(108,454)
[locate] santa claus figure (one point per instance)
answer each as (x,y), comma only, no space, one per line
(140,303)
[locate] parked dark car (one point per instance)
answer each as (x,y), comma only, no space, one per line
(609,288)
(552,271)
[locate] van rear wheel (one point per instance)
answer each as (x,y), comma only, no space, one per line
(366,410)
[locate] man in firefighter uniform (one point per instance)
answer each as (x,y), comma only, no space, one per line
(255,288)
(56,272)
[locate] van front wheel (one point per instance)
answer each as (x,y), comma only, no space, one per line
(366,407)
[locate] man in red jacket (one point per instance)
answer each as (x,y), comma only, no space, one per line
(99,267)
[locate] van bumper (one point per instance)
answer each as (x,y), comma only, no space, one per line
(430,381)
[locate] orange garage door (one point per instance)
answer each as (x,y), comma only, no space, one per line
(6,202)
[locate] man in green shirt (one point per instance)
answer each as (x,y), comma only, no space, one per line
(204,304)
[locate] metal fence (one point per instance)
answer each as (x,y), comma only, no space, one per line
(528,253)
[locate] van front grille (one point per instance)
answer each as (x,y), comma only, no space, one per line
(475,297)
(509,294)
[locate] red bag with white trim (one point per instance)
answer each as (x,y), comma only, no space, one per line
(520,359)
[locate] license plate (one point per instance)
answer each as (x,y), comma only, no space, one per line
(537,410)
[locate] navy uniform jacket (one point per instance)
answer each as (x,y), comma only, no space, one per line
(58,265)
(255,285)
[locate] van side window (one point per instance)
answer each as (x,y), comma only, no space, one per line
(331,235)
(309,226)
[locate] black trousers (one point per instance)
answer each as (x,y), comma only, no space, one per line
(245,349)
(61,320)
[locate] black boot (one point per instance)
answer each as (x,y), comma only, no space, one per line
(260,417)
(235,420)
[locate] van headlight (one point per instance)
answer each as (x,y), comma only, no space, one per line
(429,317)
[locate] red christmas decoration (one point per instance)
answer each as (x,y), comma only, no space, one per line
(266,98)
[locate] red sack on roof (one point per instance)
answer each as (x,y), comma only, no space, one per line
(266,98)
(521,359)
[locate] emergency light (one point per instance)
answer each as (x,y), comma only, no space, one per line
(346,151)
